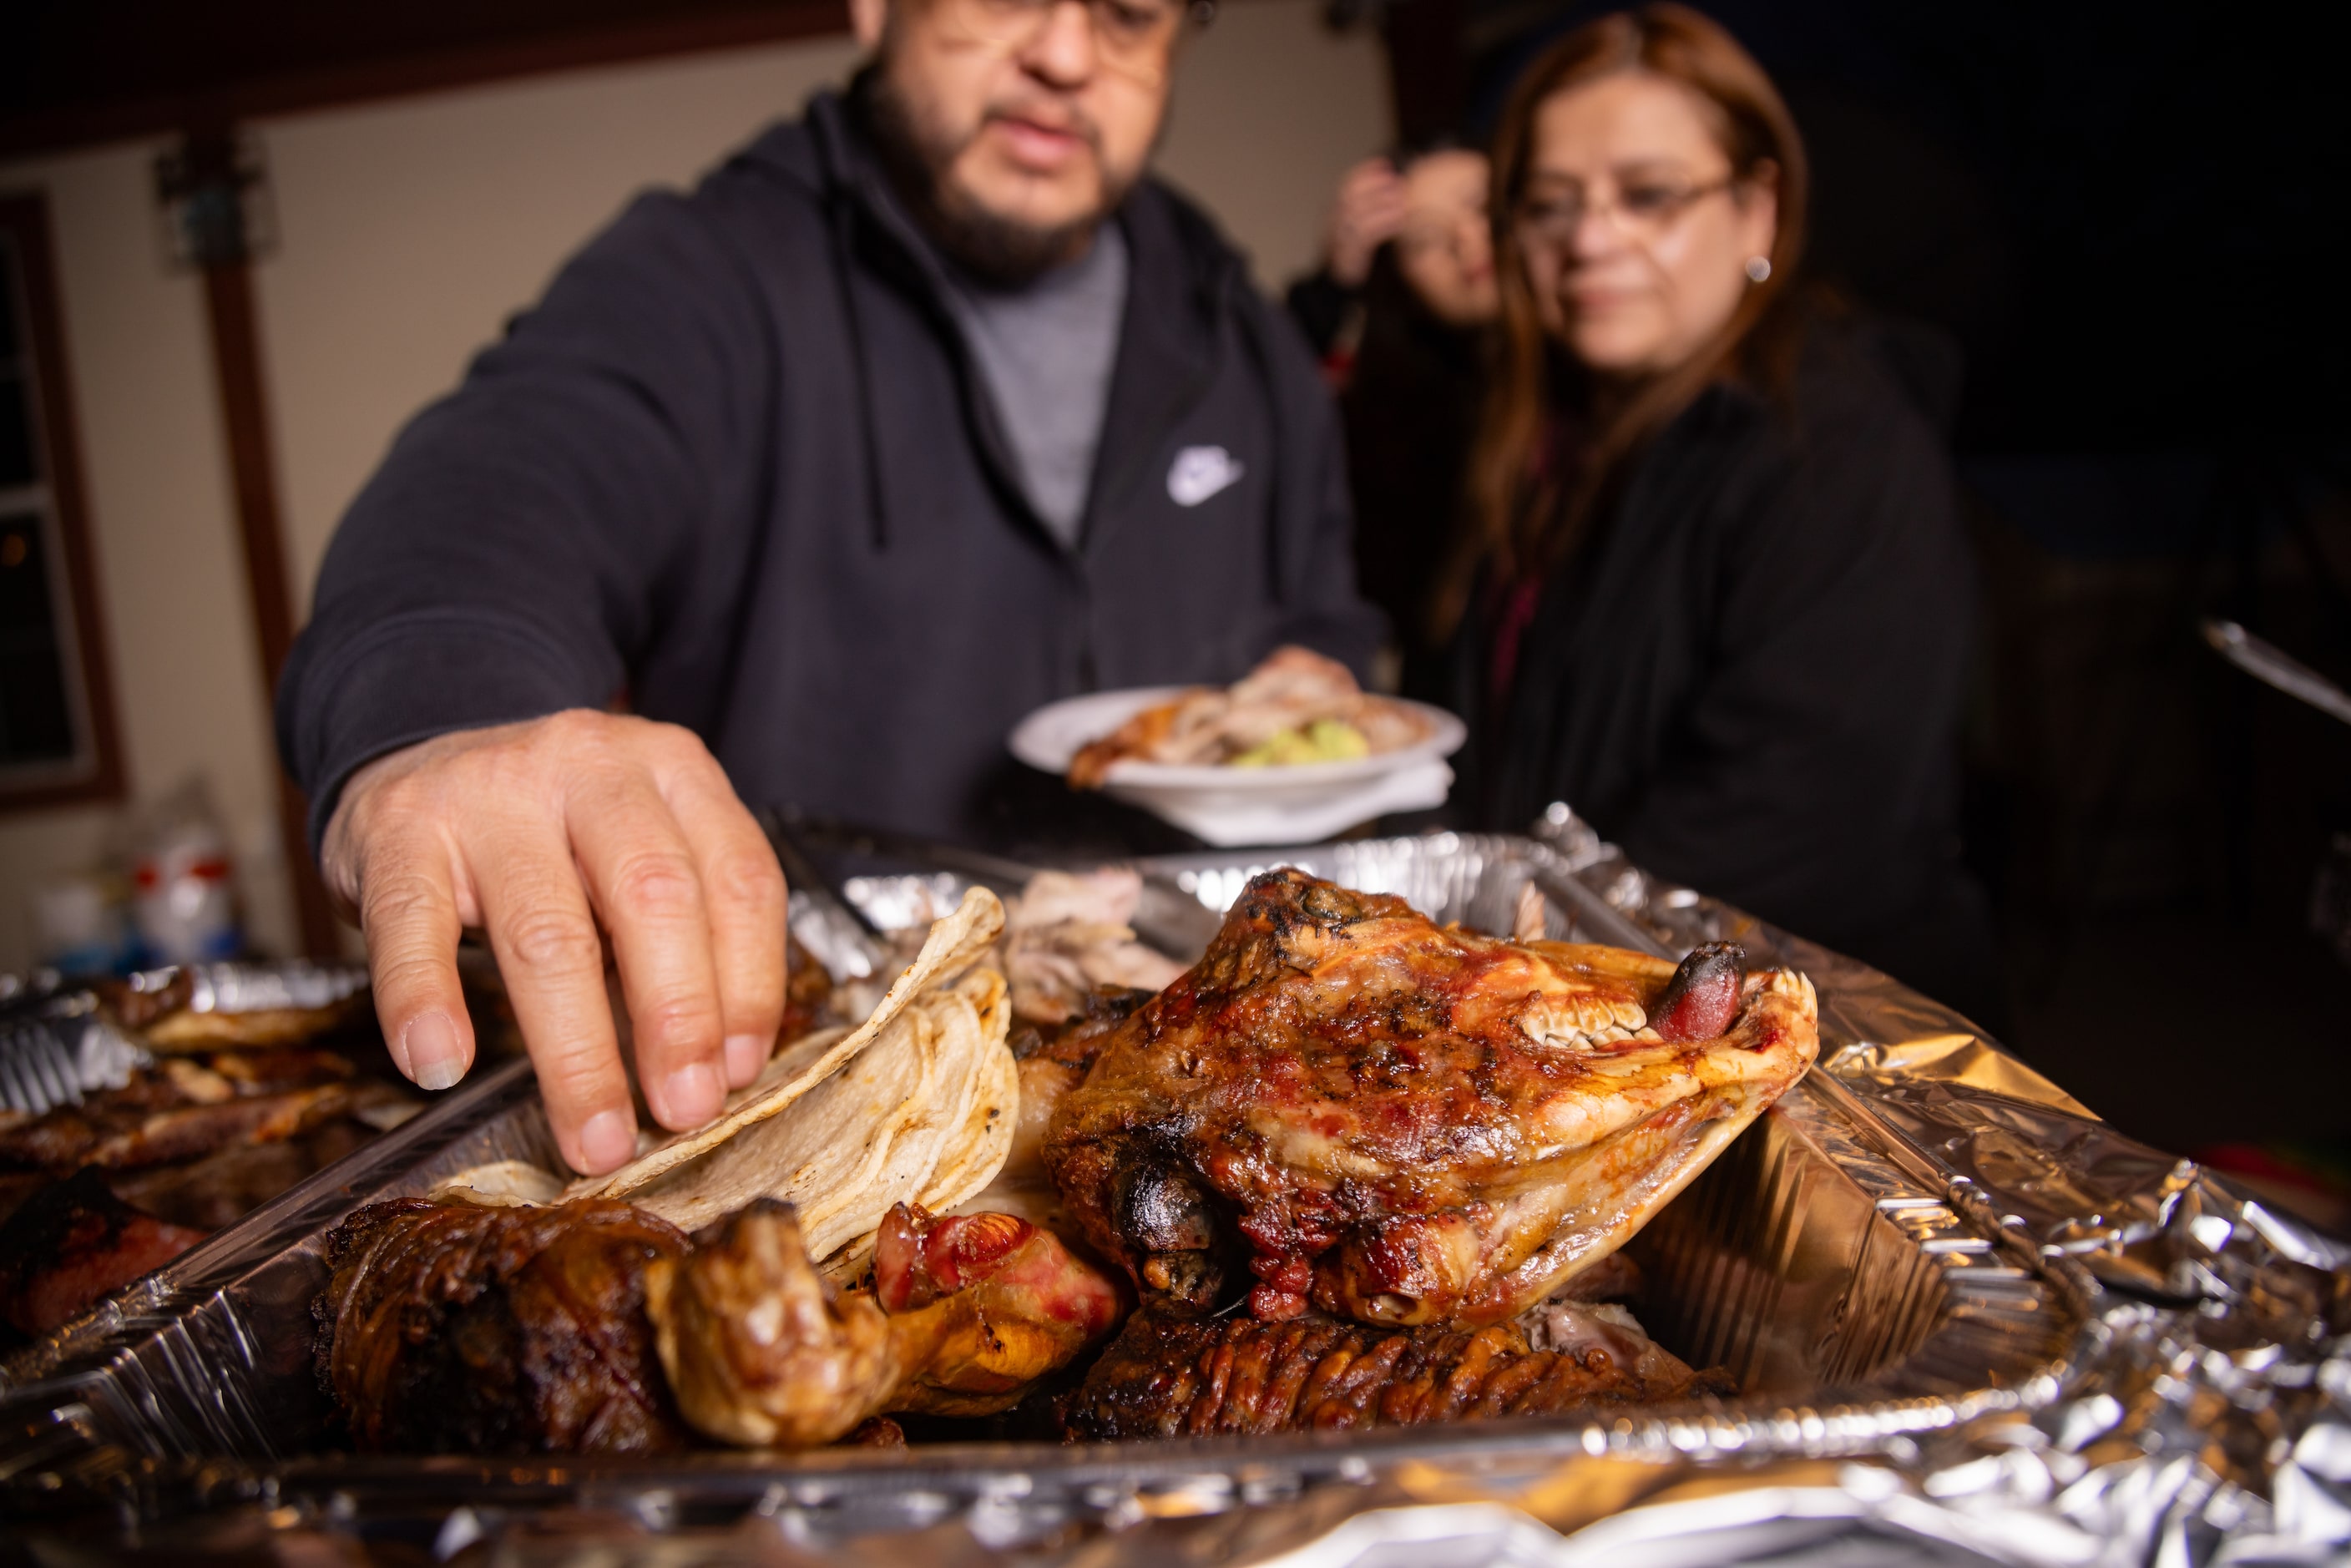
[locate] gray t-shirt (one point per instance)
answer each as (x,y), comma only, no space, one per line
(1046,352)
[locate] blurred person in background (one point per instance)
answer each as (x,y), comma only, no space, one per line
(927,407)
(1718,597)
(1400,312)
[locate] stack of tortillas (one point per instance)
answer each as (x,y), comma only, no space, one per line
(917,1105)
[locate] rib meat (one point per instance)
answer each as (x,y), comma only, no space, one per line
(1172,1375)
(1409,1124)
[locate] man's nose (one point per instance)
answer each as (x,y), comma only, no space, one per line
(1063,50)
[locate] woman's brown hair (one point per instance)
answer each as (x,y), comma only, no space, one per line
(1521,521)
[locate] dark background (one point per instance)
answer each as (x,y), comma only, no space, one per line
(2124,220)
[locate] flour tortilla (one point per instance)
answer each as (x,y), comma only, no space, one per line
(954,945)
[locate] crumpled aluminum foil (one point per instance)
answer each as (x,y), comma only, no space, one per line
(2203,1416)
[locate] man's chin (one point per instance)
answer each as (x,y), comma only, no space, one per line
(1012,237)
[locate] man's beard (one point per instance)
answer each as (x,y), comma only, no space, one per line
(994,247)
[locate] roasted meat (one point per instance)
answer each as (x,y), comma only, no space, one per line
(965,1314)
(1070,933)
(1172,1375)
(450,1328)
(1409,1124)
(73,1243)
(187,1107)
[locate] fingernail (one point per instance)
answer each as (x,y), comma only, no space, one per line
(690,1095)
(746,1054)
(434,1058)
(607,1139)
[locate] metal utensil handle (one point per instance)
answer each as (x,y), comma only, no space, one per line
(2265,663)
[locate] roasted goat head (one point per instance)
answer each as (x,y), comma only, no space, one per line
(1404,1123)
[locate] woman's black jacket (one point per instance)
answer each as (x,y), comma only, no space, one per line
(1750,675)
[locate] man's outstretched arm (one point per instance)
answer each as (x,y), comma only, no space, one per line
(484,598)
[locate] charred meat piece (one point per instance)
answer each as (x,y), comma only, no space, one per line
(73,1243)
(1175,1375)
(123,1134)
(448,1328)
(186,1107)
(965,1314)
(1403,1123)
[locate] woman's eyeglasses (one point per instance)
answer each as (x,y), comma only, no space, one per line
(1644,209)
(1134,37)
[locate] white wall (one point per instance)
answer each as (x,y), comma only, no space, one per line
(408,233)
(179,626)
(1270,108)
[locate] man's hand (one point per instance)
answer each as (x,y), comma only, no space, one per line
(1367,215)
(538,834)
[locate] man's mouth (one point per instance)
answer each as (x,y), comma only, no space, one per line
(1039,144)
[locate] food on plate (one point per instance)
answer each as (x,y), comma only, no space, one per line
(1176,1375)
(1295,707)
(915,1105)
(964,1316)
(458,1328)
(1402,1123)
(73,1242)
(1071,933)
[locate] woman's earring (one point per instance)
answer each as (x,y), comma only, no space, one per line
(1759,268)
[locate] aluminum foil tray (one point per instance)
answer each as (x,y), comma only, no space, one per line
(1924,1262)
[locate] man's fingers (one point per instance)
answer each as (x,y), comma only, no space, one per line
(408,911)
(744,889)
(540,926)
(646,884)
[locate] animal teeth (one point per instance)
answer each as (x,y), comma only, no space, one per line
(1567,1022)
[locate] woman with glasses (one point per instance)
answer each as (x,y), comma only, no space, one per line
(1716,597)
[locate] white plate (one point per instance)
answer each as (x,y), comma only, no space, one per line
(1297,804)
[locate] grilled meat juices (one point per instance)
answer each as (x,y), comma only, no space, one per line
(1405,1125)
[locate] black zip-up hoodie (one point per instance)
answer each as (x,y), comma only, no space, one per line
(737,465)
